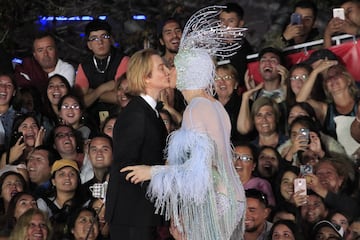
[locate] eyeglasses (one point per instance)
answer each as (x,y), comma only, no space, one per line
(299,77)
(224,78)
(97,39)
(242,157)
(67,107)
(62,135)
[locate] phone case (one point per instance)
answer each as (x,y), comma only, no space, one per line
(295,19)
(300,184)
(339,12)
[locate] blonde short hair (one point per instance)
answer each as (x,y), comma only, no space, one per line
(139,67)
(22,224)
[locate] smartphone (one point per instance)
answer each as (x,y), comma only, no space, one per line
(305,169)
(295,19)
(300,184)
(339,13)
(17,135)
(305,134)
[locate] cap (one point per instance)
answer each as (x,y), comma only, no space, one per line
(59,164)
(324,223)
(321,54)
(96,25)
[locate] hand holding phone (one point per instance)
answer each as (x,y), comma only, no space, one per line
(339,13)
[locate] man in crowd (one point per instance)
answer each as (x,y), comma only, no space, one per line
(256,225)
(96,76)
(35,71)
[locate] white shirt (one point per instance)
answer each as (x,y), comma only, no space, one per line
(65,69)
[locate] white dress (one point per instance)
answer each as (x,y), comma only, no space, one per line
(199,189)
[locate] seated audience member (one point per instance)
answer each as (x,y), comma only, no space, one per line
(108,125)
(95,78)
(233,16)
(341,219)
(98,205)
(57,87)
(10,183)
(354,230)
(298,30)
(101,157)
(341,101)
(327,230)
(284,229)
(35,71)
(313,211)
(68,143)
(122,95)
(66,195)
(39,163)
(257,212)
(273,73)
(19,204)
(285,211)
(83,224)
(226,83)
(27,134)
(245,161)
(265,115)
(300,73)
(304,137)
(333,181)
(32,222)
(7,111)
(72,112)
(285,187)
(269,164)
(349,25)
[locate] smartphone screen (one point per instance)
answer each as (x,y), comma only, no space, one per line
(339,13)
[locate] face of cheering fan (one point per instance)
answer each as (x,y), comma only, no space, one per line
(29,128)
(56,90)
(225,83)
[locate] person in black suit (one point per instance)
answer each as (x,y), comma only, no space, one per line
(139,137)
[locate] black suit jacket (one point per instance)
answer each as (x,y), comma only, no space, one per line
(139,137)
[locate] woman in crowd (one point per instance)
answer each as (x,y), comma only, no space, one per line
(341,219)
(298,75)
(33,224)
(27,134)
(269,164)
(284,229)
(108,125)
(226,82)
(245,161)
(265,116)
(341,92)
(11,183)
(333,180)
(66,196)
(83,224)
(57,87)
(305,137)
(99,206)
(122,95)
(19,204)
(71,111)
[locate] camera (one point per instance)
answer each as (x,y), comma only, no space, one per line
(98,190)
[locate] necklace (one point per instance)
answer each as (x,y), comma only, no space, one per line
(97,67)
